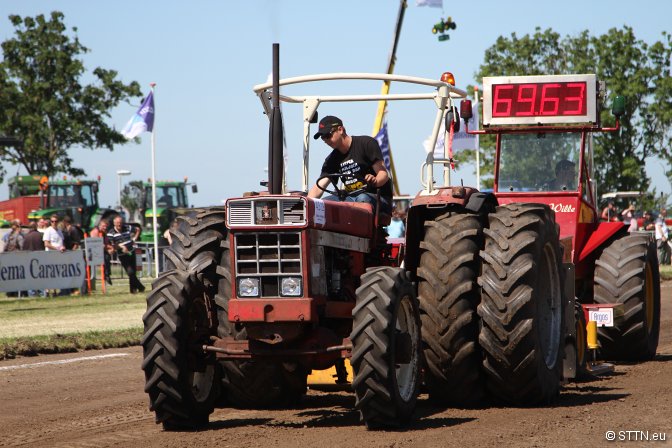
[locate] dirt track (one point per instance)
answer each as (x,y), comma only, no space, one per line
(95,403)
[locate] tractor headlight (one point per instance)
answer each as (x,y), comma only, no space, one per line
(290,286)
(248,287)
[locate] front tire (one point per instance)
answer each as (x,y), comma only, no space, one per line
(182,383)
(448,294)
(522,305)
(386,323)
(627,273)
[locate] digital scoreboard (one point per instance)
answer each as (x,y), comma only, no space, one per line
(543,99)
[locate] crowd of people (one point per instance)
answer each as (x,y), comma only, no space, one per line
(56,234)
(647,222)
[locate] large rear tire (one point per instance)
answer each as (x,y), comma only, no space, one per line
(448,294)
(522,305)
(386,326)
(255,384)
(183,382)
(627,273)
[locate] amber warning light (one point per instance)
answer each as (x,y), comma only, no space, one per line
(448,78)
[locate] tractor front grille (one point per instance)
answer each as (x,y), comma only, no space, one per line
(266,211)
(269,257)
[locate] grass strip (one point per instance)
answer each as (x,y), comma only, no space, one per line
(23,322)
(67,343)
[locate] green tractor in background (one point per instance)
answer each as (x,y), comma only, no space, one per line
(28,185)
(171,201)
(77,199)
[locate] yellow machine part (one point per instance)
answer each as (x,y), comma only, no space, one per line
(328,376)
(591,335)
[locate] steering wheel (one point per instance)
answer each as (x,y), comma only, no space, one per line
(342,194)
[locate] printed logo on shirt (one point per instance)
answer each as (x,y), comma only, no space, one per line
(351,168)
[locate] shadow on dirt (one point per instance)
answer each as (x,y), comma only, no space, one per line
(338,410)
(235,423)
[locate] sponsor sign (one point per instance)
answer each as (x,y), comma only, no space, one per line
(603,316)
(93,250)
(320,212)
(20,271)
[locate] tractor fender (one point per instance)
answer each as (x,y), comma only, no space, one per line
(428,207)
(481,202)
(603,233)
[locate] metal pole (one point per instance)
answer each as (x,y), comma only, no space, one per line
(478,146)
(154,223)
(382,104)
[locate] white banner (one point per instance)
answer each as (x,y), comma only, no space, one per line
(461,140)
(21,271)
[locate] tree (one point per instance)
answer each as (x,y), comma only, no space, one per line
(45,102)
(630,67)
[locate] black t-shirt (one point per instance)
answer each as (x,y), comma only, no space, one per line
(71,237)
(358,161)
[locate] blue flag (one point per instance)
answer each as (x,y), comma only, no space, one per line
(384,143)
(142,121)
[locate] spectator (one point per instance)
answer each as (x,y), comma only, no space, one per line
(609,212)
(173,226)
(662,238)
(14,239)
(72,240)
(122,237)
(629,218)
(101,232)
(648,223)
(53,236)
(42,225)
(13,243)
(33,241)
(72,235)
(396,229)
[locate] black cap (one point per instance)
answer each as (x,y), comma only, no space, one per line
(327,125)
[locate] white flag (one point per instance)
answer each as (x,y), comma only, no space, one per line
(461,140)
(431,3)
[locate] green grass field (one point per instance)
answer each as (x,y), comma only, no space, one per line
(52,324)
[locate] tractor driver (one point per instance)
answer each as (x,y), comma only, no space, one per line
(357,156)
(565,176)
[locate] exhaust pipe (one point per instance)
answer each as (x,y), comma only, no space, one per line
(275,159)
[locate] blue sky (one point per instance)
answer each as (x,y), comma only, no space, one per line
(205,56)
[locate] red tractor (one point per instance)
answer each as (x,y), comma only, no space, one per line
(275,284)
(544,167)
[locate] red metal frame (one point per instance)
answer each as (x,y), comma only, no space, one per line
(575,211)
